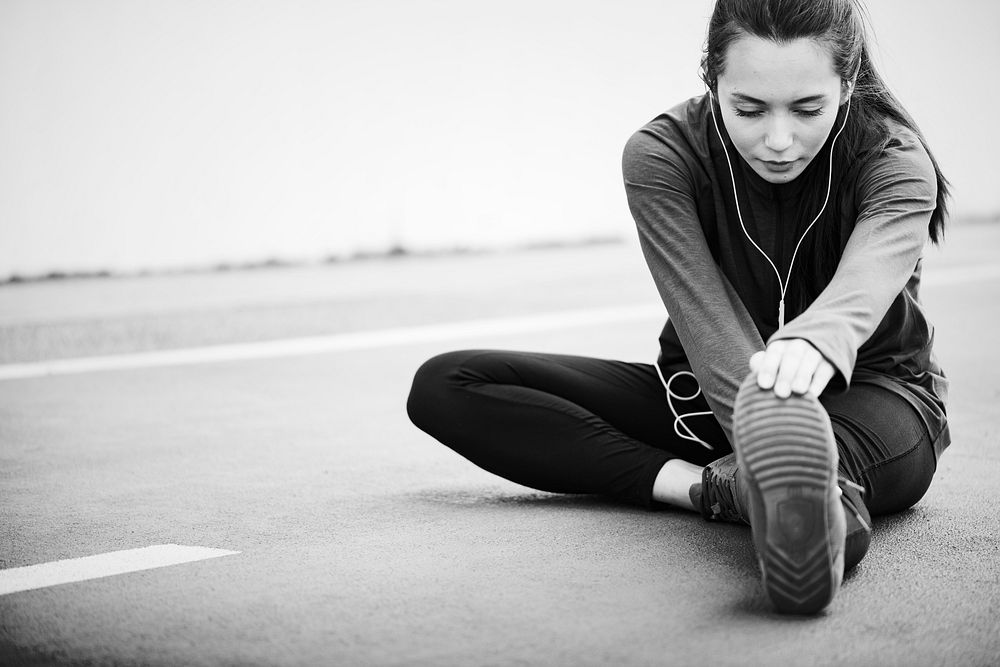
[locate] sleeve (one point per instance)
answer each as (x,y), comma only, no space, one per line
(716,331)
(897,194)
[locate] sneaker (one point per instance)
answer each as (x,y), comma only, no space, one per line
(722,496)
(787,458)
(859,523)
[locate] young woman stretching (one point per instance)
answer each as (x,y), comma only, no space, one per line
(783,215)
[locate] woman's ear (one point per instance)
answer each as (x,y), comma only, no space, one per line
(846,90)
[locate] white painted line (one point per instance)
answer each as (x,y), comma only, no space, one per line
(431,333)
(361,340)
(961,274)
(68,571)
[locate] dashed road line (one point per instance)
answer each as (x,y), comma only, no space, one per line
(30,577)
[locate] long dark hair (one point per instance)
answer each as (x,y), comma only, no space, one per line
(840,25)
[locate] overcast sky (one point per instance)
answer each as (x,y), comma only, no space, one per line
(184,133)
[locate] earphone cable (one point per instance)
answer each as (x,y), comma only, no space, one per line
(782,285)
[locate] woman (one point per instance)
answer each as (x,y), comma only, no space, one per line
(783,215)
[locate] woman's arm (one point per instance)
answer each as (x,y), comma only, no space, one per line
(713,325)
(897,195)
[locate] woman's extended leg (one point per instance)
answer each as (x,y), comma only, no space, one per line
(799,463)
(557,422)
(883,446)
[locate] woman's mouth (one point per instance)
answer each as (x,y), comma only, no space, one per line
(778,166)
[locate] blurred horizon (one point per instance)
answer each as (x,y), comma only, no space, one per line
(161,136)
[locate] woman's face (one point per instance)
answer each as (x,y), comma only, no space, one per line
(779,103)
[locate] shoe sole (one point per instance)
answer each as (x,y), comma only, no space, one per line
(785,449)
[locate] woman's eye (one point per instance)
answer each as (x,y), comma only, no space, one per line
(811,112)
(743,113)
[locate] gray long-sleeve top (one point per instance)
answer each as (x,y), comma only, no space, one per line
(722,295)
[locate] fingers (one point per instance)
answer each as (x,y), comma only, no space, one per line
(792,366)
(769,363)
(795,362)
(823,375)
(800,378)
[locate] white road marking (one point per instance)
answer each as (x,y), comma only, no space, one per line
(30,577)
(431,333)
(360,340)
(961,274)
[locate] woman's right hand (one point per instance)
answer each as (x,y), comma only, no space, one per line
(792,366)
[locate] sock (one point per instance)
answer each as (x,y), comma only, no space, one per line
(695,494)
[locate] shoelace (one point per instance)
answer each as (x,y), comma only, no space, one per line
(720,497)
(842,482)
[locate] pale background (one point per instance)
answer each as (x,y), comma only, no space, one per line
(149,135)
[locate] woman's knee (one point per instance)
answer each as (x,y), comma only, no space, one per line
(431,384)
(901,483)
(884,446)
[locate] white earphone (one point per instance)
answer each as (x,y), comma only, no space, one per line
(783,285)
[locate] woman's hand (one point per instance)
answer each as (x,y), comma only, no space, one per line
(792,365)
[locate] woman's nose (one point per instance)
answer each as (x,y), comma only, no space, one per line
(778,136)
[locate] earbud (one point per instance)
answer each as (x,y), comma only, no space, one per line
(851,83)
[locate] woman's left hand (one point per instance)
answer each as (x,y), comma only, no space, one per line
(792,365)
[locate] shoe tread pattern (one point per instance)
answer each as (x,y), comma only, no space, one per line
(785,448)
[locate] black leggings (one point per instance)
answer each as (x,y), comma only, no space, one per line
(571,424)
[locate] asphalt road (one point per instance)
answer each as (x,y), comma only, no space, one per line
(362,541)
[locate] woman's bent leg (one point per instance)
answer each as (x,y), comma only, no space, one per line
(557,423)
(883,447)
